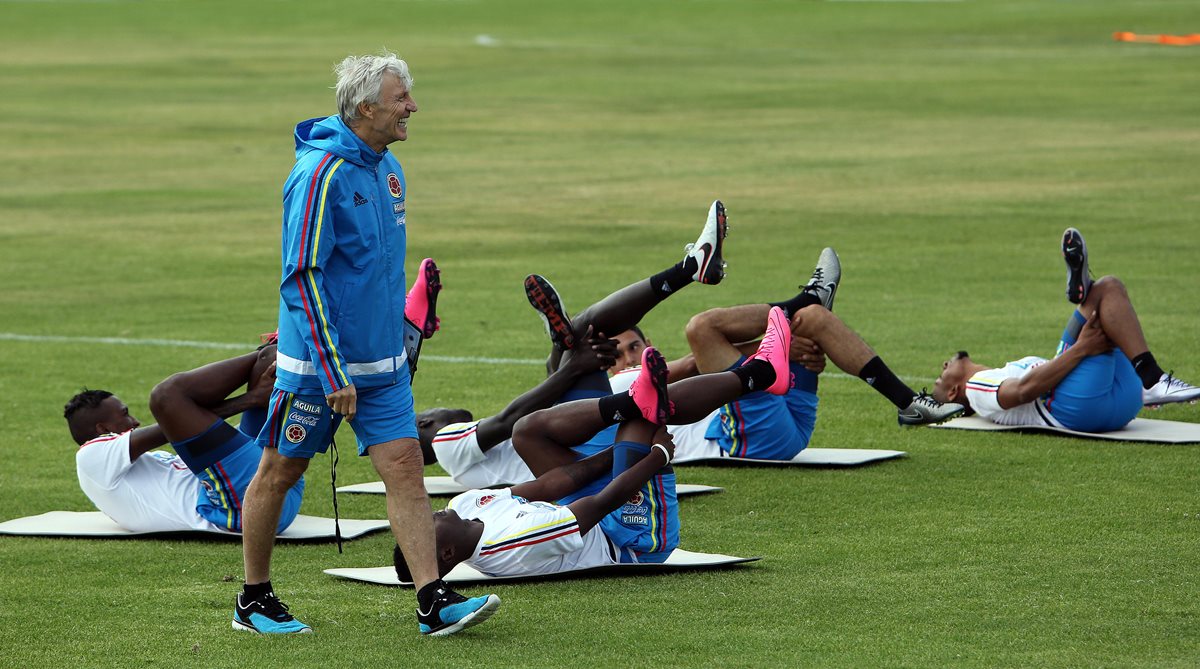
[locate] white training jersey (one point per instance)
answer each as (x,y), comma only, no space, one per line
(690,442)
(457,449)
(982,389)
(155,493)
(523,538)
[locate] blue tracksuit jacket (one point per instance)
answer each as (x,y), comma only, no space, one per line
(341,306)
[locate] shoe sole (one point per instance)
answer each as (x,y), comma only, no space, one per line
(832,286)
(919,422)
(1156,403)
(243,627)
(656,366)
(433,286)
(544,299)
(1160,404)
(710,271)
(477,616)
(1077,266)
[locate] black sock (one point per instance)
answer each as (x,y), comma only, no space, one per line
(801,300)
(253,591)
(617,408)
(755,375)
(673,278)
(878,376)
(1147,369)
(429,594)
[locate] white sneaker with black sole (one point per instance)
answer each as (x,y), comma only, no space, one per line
(1169,390)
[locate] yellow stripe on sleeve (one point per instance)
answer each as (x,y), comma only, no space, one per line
(308,273)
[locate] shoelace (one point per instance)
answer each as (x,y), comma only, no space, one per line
(272,607)
(927,399)
(766,348)
(1176,384)
(814,283)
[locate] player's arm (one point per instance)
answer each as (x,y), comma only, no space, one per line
(589,510)
(1044,378)
(258,394)
(145,439)
(566,479)
(595,354)
(308,243)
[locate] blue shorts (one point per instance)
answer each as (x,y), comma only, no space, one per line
(1103,393)
(769,427)
(646,528)
(225,460)
(301,426)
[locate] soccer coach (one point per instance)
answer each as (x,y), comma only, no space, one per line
(341,353)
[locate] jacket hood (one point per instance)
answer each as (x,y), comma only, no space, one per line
(331,134)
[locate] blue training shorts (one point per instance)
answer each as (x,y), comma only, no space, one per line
(301,426)
(225,460)
(1103,393)
(646,527)
(768,427)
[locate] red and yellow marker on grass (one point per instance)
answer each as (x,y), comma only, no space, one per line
(1170,40)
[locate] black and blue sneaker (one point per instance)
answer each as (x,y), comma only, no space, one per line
(266,615)
(1075,255)
(451,612)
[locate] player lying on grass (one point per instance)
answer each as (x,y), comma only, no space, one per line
(778,427)
(479,453)
(522,530)
(760,425)
(201,487)
(1100,378)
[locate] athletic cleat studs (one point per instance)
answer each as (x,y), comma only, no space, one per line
(924,410)
(649,389)
(1074,251)
(710,266)
(420,307)
(545,300)
(825,278)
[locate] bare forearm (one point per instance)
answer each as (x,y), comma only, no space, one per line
(1041,379)
(630,481)
(500,427)
(567,479)
(145,439)
(236,405)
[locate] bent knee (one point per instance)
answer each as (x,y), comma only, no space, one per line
(530,424)
(1108,284)
(165,394)
(280,472)
(810,319)
(700,327)
(402,457)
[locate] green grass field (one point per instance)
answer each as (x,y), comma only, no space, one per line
(941,147)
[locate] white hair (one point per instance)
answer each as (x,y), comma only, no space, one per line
(359,79)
